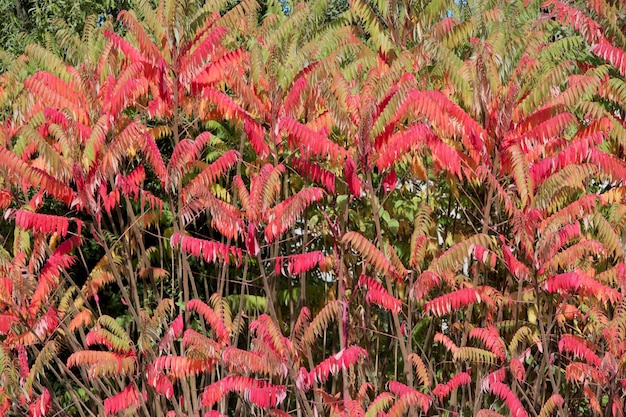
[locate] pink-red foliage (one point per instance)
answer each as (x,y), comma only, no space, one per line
(208,250)
(451,302)
(510,399)
(443,390)
(128,397)
(378,295)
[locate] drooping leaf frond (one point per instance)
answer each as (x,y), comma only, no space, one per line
(284,214)
(128,397)
(443,390)
(103,364)
(182,366)
(298,264)
(42,223)
(210,251)
(369,252)
(257,392)
(510,399)
(341,360)
(211,318)
(378,295)
(211,173)
(491,339)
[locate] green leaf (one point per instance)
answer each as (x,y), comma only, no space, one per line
(394,225)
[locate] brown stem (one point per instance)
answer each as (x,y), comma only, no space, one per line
(408,371)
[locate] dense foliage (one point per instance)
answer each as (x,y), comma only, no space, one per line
(317,208)
(36,21)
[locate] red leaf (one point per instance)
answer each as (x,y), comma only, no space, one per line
(270,334)
(341,360)
(256,137)
(41,406)
(153,201)
(401,143)
(609,164)
(408,400)
(488,413)
(111,200)
(309,142)
(6,322)
(161,383)
(35,177)
(517,369)
(443,390)
(216,70)
(378,295)
(484,255)
(399,389)
(49,275)
(579,372)
(225,218)
(563,282)
(22,359)
(304,380)
(130,51)
(153,155)
(129,184)
(5,405)
(446,157)
(593,400)
(353,180)
(173,332)
(283,215)
(617,406)
(180,367)
(46,324)
(591,287)
(103,363)
(193,64)
(212,413)
(493,377)
(125,90)
(294,97)
(184,153)
(510,399)
(298,264)
(451,302)
(209,250)
(491,339)
(247,361)
(252,244)
(223,335)
(128,397)
(82,319)
(579,348)
(315,173)
(518,269)
(576,152)
(257,392)
(55,92)
(573,17)
(389,182)
(42,223)
(426,281)
(6,198)
(211,173)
